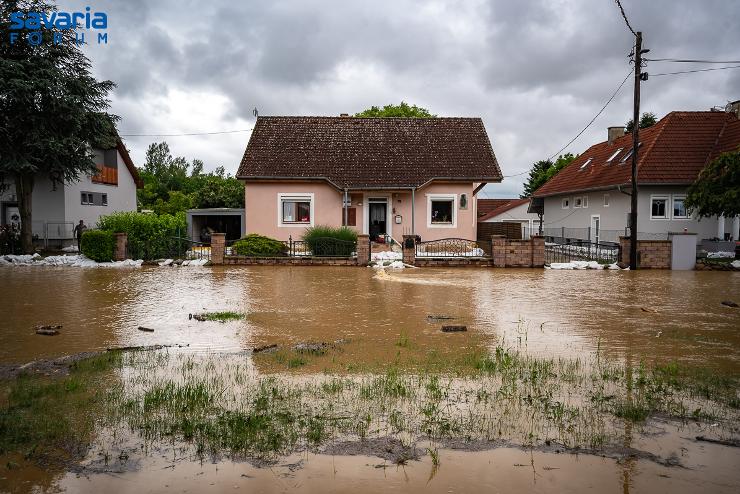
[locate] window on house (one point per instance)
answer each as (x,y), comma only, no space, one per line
(86,198)
(584,202)
(566,203)
(296,211)
(104,199)
(606,200)
(442,211)
(658,207)
(629,154)
(614,155)
(578,202)
(679,207)
(585,164)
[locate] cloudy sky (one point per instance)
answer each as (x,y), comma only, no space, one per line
(535,71)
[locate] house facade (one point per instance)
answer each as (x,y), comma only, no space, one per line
(513,211)
(385,177)
(57,209)
(589,199)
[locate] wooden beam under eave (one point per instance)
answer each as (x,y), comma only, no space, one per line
(477,189)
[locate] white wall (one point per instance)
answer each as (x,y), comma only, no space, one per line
(121,197)
(519,214)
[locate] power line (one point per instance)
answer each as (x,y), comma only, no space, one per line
(189,133)
(626,21)
(614,94)
(678,60)
(696,70)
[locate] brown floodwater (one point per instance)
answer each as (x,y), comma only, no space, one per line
(646,315)
(650,316)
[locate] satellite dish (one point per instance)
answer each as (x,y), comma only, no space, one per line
(255,112)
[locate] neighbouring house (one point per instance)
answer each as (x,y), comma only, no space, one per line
(385,177)
(511,212)
(589,199)
(58,208)
(202,222)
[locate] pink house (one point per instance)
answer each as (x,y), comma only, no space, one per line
(380,176)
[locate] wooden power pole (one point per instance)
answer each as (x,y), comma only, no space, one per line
(635,148)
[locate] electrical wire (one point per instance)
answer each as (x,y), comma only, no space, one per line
(189,133)
(621,9)
(678,60)
(692,71)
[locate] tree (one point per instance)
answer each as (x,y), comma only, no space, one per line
(544,170)
(716,190)
(402,110)
(52,110)
(647,119)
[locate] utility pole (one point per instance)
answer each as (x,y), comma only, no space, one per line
(635,148)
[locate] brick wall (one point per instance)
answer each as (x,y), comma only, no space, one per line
(651,254)
(291,261)
(120,251)
(509,253)
(363,249)
(218,248)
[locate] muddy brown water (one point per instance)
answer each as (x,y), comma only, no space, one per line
(655,316)
(650,315)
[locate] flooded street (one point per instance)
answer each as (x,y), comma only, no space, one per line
(647,315)
(564,380)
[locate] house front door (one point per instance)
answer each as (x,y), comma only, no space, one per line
(595,228)
(377,218)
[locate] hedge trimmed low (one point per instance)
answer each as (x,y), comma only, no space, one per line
(254,245)
(98,245)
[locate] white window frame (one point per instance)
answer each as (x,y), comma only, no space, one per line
(578,202)
(86,199)
(299,197)
(442,197)
(614,155)
(606,200)
(682,197)
(104,199)
(584,202)
(586,163)
(565,203)
(668,206)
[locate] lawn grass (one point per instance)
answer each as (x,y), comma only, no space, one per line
(222,316)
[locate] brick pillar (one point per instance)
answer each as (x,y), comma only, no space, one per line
(363,249)
(498,250)
(409,249)
(119,252)
(538,251)
(624,249)
(218,248)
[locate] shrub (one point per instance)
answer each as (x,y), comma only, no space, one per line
(330,241)
(98,245)
(150,236)
(255,245)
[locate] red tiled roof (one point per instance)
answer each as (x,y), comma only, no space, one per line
(673,151)
(488,205)
(369,152)
(511,204)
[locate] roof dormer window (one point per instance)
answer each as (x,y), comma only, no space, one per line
(614,155)
(586,163)
(629,154)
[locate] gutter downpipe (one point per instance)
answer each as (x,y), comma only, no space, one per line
(345,206)
(413,211)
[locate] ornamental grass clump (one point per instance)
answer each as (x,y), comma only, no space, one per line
(331,241)
(254,245)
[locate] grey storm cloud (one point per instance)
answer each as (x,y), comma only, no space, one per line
(536,71)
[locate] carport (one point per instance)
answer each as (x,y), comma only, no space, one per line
(203,222)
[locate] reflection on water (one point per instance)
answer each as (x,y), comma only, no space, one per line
(642,315)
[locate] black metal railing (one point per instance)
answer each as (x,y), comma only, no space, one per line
(581,251)
(454,247)
(321,247)
(185,248)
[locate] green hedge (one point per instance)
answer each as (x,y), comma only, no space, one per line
(150,236)
(98,245)
(255,245)
(331,241)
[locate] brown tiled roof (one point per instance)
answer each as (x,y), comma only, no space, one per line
(370,152)
(510,204)
(488,205)
(673,151)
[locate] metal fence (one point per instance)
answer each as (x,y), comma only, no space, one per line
(454,247)
(581,251)
(321,247)
(185,248)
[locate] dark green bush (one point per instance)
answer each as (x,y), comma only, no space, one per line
(254,245)
(150,236)
(331,241)
(98,245)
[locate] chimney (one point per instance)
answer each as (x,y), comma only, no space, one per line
(344,114)
(614,133)
(734,107)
